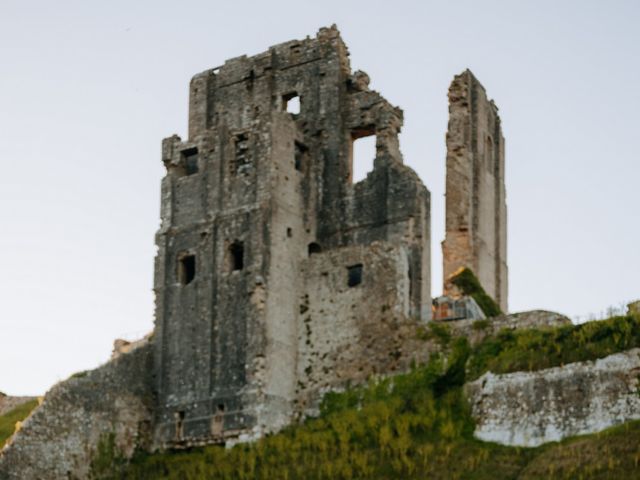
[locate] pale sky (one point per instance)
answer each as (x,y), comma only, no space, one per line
(88,90)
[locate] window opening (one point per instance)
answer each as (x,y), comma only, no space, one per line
(301,156)
(241,162)
(488,154)
(217,425)
(179,418)
(186,268)
(289,232)
(363,153)
(291,103)
(314,248)
(236,256)
(190,160)
(354,275)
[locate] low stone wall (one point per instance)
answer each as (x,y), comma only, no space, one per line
(8,403)
(478,330)
(532,408)
(109,404)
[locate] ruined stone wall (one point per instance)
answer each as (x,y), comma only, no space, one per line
(476,211)
(532,408)
(475,332)
(348,332)
(274,186)
(110,404)
(8,403)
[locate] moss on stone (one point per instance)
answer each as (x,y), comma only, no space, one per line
(469,284)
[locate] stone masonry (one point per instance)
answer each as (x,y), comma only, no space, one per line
(265,236)
(277,277)
(531,408)
(476,209)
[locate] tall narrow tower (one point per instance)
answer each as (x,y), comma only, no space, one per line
(476,208)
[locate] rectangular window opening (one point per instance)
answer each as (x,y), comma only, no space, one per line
(190,161)
(236,256)
(354,275)
(186,268)
(363,153)
(291,103)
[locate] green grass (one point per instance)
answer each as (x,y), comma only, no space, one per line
(418,425)
(469,284)
(9,419)
(536,349)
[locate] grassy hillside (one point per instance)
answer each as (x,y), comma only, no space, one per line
(418,425)
(9,419)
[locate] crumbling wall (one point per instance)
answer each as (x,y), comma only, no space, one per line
(532,408)
(8,403)
(110,404)
(476,331)
(354,319)
(276,186)
(476,209)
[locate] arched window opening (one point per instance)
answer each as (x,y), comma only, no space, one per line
(314,248)
(186,268)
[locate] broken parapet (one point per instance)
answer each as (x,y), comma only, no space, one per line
(531,408)
(476,208)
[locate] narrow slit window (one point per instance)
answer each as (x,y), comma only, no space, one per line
(363,153)
(179,417)
(186,268)
(301,156)
(291,103)
(488,154)
(354,275)
(190,161)
(236,256)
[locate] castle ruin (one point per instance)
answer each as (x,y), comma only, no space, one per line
(277,278)
(275,270)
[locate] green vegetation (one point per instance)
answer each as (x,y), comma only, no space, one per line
(536,349)
(481,325)
(469,284)
(9,419)
(435,331)
(418,425)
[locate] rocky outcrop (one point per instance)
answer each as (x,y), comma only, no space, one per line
(532,408)
(111,405)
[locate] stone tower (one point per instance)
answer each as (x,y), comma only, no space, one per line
(263,234)
(476,209)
